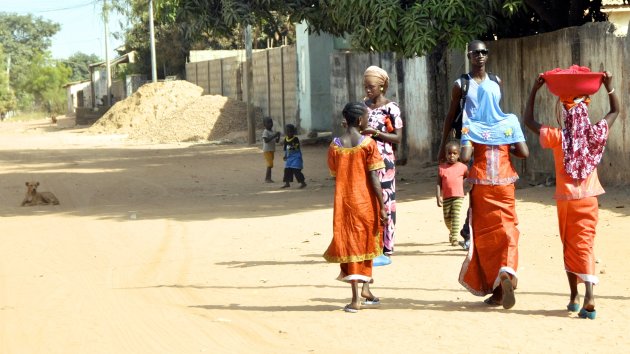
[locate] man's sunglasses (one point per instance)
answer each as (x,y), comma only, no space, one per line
(478,52)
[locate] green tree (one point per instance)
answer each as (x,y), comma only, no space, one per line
(407,27)
(45,83)
(79,63)
(24,37)
(177,31)
(7,97)
(172,47)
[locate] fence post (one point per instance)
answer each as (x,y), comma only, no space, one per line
(269,86)
(351,95)
(196,77)
(249,78)
(209,76)
(282,107)
(221,74)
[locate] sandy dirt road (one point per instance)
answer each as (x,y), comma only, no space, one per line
(181,248)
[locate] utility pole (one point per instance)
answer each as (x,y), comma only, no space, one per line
(108,69)
(9,71)
(249,78)
(152,43)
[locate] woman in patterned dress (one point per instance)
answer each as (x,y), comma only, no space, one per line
(385,126)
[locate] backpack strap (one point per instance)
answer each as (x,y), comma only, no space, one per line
(495,78)
(464,81)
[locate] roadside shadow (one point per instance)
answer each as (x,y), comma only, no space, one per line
(192,183)
(248,264)
(274,308)
(399,301)
(406,304)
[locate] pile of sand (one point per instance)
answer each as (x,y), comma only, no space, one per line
(175,111)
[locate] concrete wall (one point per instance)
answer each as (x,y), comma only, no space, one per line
(274,83)
(418,124)
(313,53)
(217,77)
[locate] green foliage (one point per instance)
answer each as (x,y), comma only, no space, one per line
(216,22)
(7,97)
(45,83)
(408,28)
(25,37)
(171,47)
(79,64)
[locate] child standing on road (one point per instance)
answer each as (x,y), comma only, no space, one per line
(269,138)
(359,212)
(577,150)
(293,158)
(450,189)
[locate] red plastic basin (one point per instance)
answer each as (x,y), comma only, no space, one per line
(575,81)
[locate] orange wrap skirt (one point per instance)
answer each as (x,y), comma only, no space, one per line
(494,238)
(577,220)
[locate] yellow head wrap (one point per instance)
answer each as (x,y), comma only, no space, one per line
(379,74)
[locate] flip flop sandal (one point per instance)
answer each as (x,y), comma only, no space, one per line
(508,293)
(584,313)
(350,309)
(573,307)
(372,302)
(491,302)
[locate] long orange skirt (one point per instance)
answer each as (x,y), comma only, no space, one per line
(361,271)
(494,238)
(577,220)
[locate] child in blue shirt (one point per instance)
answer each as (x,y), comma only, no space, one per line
(293,158)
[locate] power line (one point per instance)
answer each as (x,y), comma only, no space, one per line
(93,2)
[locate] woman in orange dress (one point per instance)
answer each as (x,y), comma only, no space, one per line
(359,213)
(577,150)
(492,260)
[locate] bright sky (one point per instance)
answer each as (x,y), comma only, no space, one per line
(82,28)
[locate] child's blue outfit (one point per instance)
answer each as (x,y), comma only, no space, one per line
(294,163)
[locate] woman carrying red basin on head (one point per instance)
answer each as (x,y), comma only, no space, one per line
(577,150)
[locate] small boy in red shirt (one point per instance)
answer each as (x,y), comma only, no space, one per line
(450,189)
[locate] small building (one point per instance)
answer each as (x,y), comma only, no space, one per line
(78,93)
(618,12)
(88,99)
(120,89)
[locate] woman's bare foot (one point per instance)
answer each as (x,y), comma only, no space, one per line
(589,297)
(367,294)
(492,301)
(497,297)
(352,307)
(370,299)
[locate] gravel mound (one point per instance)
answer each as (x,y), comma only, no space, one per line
(175,111)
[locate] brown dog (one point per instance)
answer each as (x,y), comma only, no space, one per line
(33,197)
